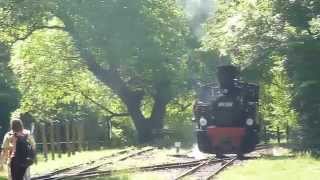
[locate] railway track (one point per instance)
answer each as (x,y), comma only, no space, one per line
(91,174)
(195,166)
(91,166)
(207,170)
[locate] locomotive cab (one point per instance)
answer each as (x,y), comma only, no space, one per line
(226,115)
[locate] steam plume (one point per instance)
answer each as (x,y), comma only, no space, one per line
(197,12)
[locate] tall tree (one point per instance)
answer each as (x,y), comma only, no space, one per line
(134,47)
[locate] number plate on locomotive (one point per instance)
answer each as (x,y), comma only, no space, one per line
(225,104)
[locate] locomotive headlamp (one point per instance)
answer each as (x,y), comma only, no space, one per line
(203,121)
(249,122)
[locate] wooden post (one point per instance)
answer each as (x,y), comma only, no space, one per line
(58,134)
(265,134)
(109,131)
(80,135)
(287,132)
(278,134)
(74,137)
(44,141)
(68,137)
(87,145)
(52,141)
(34,134)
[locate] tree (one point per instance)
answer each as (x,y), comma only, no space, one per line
(134,47)
(302,61)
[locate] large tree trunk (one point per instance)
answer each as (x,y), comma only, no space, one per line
(132,99)
(145,126)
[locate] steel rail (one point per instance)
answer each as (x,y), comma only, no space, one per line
(63,176)
(47,175)
(59,173)
(145,168)
(194,169)
(135,169)
(228,163)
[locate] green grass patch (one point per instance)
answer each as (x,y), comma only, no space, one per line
(300,167)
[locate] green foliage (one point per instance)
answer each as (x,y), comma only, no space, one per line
(179,120)
(141,60)
(276,99)
(138,50)
(50,75)
(123,132)
(9,97)
(144,40)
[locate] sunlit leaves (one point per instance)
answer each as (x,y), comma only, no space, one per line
(50,74)
(144,39)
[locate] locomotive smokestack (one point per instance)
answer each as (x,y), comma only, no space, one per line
(226,76)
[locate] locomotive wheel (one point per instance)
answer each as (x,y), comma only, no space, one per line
(204,144)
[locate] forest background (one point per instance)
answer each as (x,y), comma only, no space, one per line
(137,63)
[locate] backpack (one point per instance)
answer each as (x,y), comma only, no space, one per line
(25,153)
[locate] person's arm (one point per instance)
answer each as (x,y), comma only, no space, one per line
(32,141)
(4,151)
(4,156)
(30,138)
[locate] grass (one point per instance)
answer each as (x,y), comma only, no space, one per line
(300,167)
(3,176)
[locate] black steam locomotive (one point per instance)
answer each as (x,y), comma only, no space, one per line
(226,114)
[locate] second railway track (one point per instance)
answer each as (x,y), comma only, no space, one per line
(91,166)
(207,170)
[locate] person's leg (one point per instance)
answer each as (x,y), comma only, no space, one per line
(9,171)
(17,172)
(13,169)
(27,175)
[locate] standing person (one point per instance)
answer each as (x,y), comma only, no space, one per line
(9,149)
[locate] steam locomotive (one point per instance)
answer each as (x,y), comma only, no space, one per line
(225,114)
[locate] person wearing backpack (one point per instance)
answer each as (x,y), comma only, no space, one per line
(18,150)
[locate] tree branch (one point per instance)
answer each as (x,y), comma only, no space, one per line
(36,28)
(113,114)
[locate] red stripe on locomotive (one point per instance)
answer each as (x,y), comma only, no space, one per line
(226,138)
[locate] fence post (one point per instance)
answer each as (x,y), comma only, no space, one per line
(68,137)
(74,137)
(80,135)
(44,141)
(52,143)
(278,134)
(287,132)
(109,131)
(34,134)
(58,134)
(265,134)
